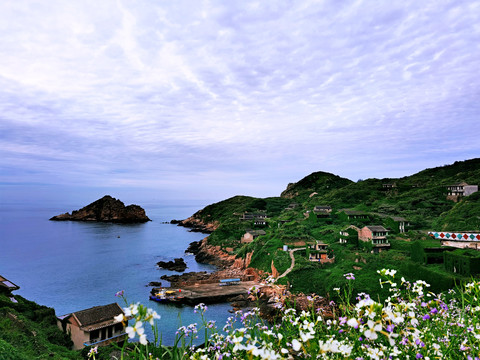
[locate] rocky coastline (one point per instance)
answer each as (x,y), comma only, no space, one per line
(270,298)
(106,209)
(196,225)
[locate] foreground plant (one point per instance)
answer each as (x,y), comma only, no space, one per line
(412,323)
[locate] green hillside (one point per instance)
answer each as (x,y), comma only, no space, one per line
(464,216)
(421,199)
(29,331)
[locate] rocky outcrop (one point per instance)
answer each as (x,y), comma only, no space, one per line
(210,254)
(197,225)
(178,265)
(106,209)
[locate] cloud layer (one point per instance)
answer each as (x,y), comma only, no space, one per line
(240,97)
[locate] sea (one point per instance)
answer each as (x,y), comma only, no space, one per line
(71,266)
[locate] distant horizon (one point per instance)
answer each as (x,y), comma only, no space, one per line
(140,197)
(207,100)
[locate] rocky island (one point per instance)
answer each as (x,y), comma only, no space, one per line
(106,209)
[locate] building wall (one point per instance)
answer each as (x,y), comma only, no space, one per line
(462,244)
(365,234)
(470,189)
(78,336)
(247,238)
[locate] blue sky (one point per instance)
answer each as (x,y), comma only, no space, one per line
(152,100)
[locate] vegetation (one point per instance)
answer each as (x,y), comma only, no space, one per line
(420,199)
(411,323)
(29,331)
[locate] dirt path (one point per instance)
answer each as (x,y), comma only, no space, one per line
(293,262)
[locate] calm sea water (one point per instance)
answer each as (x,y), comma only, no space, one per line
(72,266)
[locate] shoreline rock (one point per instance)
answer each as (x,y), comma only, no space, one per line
(196,225)
(106,209)
(178,265)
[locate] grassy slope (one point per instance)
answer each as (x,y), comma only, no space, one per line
(29,331)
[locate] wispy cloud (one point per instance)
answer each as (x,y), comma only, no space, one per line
(212,92)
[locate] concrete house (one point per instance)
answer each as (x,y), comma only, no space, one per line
(319,253)
(347,234)
(402,223)
(94,326)
(251,235)
(257,218)
(354,214)
(292,206)
(459,190)
(322,211)
(377,235)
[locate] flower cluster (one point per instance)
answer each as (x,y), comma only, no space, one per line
(141,314)
(412,323)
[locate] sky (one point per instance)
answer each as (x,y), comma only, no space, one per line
(154,100)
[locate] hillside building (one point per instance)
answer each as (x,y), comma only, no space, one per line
(319,253)
(458,190)
(354,214)
(251,235)
(377,235)
(257,218)
(94,326)
(322,211)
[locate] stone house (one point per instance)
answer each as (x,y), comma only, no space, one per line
(459,190)
(347,235)
(257,218)
(389,186)
(354,214)
(94,326)
(402,223)
(377,235)
(251,235)
(322,211)
(319,253)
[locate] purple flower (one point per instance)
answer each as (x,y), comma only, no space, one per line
(390,327)
(119,293)
(418,356)
(426,317)
(434,311)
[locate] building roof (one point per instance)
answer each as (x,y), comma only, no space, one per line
(375,228)
(96,317)
(7,284)
(463,183)
(398,218)
(322,207)
(353,212)
(256,232)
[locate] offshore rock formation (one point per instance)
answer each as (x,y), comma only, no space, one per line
(178,265)
(106,209)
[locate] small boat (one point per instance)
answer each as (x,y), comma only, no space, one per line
(160,297)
